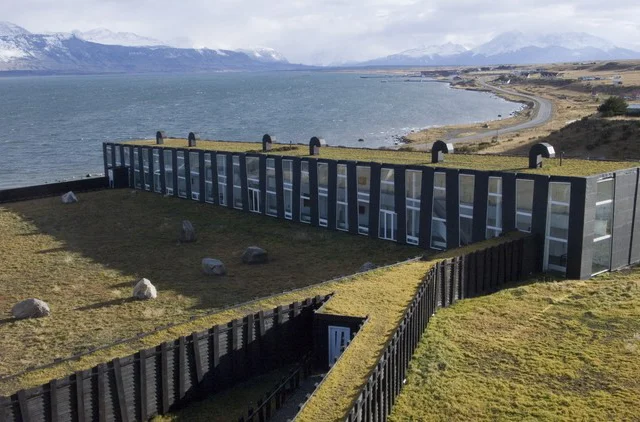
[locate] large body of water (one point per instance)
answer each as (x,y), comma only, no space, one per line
(52,127)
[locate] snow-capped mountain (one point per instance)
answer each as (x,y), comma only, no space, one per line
(513,48)
(513,41)
(107,37)
(264,54)
(8,29)
(102,51)
(444,50)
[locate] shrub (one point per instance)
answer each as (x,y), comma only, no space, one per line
(613,106)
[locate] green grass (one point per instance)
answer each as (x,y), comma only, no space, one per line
(569,167)
(83,259)
(565,351)
(230,404)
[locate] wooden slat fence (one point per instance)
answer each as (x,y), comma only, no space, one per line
(474,274)
(152,381)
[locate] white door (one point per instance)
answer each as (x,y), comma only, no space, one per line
(254,200)
(338,337)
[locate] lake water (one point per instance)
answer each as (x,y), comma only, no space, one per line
(52,127)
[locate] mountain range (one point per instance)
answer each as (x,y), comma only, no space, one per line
(511,48)
(104,51)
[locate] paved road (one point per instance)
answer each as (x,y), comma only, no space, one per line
(542,111)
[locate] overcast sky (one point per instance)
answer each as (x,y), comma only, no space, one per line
(326,31)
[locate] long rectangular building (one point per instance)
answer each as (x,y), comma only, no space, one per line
(585,210)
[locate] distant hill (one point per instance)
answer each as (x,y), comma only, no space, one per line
(102,51)
(512,48)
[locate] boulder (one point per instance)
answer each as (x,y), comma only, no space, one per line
(255,255)
(212,266)
(30,308)
(145,290)
(367,266)
(187,232)
(69,198)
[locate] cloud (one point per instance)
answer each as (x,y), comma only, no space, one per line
(324,31)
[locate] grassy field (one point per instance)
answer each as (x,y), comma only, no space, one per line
(83,259)
(565,351)
(476,162)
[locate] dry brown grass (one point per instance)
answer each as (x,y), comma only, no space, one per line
(83,259)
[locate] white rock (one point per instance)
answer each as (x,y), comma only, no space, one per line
(69,198)
(145,290)
(30,308)
(212,266)
(187,232)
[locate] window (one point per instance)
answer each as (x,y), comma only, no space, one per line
(556,241)
(364,186)
(136,168)
(182,179)
(272,199)
(253,183)
(116,151)
(194,169)
(208,179)
(439,212)
(109,155)
(145,168)
(221,161)
(413,186)
(168,172)
(494,207)
(323,194)
(237,183)
(157,182)
(342,214)
(466,183)
(127,163)
(387,225)
(524,204)
(305,193)
(603,227)
(287,185)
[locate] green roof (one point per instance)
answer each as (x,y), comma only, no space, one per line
(569,167)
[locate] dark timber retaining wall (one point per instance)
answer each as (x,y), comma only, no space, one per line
(151,381)
(466,276)
(52,189)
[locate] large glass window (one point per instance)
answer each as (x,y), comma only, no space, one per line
(168,172)
(272,199)
(413,185)
(253,183)
(323,194)
(603,227)
(127,162)
(364,195)
(136,169)
(557,227)
(387,225)
(208,178)
(494,207)
(287,185)
(157,183)
(146,171)
(466,183)
(116,151)
(524,204)
(342,213)
(237,183)
(221,161)
(439,212)
(109,155)
(305,193)
(182,180)
(194,169)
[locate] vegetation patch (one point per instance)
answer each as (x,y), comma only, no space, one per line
(84,258)
(567,350)
(569,167)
